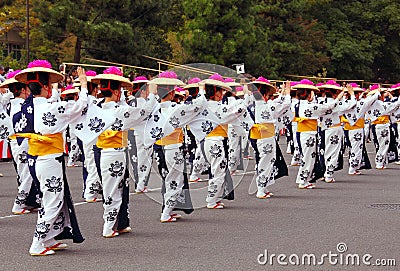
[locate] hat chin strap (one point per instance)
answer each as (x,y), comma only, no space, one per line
(36,80)
(115,92)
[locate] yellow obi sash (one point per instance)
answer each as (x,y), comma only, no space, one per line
(336,125)
(262,130)
(220,130)
(296,119)
(358,125)
(173,138)
(382,120)
(307,125)
(112,139)
(39,145)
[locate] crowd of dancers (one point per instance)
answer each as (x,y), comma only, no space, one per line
(202,126)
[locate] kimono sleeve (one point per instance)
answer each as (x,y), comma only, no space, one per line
(92,123)
(5,98)
(244,124)
(395,115)
(182,114)
(203,124)
(50,118)
(6,125)
(55,96)
(375,110)
(345,105)
(390,107)
(366,104)
(130,117)
(317,110)
(229,114)
(280,106)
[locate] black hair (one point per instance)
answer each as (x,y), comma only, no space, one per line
(164,90)
(228,94)
(70,97)
(113,84)
(264,89)
(211,90)
(193,91)
(329,92)
(106,93)
(137,86)
(66,77)
(91,86)
(43,77)
(302,94)
(16,88)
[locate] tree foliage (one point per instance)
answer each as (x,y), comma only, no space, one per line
(118,31)
(218,32)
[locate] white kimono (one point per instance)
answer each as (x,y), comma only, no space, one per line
(56,216)
(308,139)
(332,133)
(267,113)
(215,150)
(379,114)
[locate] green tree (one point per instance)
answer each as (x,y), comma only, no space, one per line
(117,31)
(270,37)
(351,45)
(219,32)
(290,41)
(385,22)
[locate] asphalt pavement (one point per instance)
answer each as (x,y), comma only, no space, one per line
(357,217)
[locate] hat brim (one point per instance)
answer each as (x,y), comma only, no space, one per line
(217,83)
(140,81)
(305,86)
(54,76)
(372,92)
(166,81)
(70,91)
(329,87)
(88,78)
(194,85)
(8,82)
(263,83)
(358,89)
(124,81)
(391,89)
(239,93)
(233,84)
(180,93)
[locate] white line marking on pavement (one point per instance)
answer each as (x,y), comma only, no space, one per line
(7,216)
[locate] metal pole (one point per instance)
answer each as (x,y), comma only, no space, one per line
(27,31)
